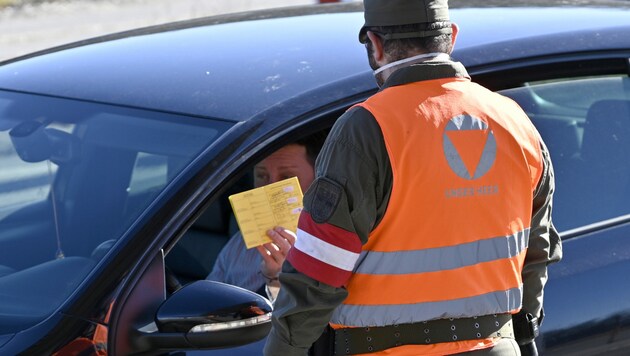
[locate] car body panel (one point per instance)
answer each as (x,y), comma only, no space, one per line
(203,67)
(272,71)
(588,308)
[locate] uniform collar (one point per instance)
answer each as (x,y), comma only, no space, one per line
(428,70)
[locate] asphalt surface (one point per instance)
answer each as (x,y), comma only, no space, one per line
(30,28)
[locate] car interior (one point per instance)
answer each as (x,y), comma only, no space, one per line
(80,176)
(603,161)
(192,258)
(585,123)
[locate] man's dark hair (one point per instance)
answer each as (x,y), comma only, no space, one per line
(402,48)
(313,144)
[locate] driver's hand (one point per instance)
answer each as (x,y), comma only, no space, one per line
(274,253)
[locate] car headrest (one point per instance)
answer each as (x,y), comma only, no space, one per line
(213,219)
(218,217)
(607,132)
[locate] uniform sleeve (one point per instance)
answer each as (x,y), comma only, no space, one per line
(342,206)
(345,201)
(545,246)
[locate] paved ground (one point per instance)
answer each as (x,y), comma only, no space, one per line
(34,27)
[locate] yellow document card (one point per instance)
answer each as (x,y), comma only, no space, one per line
(260,209)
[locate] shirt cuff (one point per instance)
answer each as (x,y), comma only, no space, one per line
(272,293)
(276,346)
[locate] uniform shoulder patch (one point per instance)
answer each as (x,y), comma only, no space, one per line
(325,198)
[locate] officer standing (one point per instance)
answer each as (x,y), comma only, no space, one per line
(428,227)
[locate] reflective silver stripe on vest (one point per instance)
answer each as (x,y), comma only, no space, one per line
(442,258)
(382,315)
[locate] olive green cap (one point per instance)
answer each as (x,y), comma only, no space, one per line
(404,12)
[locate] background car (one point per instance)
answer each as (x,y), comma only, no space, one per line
(118,154)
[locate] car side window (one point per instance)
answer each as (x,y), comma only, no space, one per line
(585,123)
(194,255)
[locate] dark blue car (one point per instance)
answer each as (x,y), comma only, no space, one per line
(117,155)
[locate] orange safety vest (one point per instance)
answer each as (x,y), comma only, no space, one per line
(452,243)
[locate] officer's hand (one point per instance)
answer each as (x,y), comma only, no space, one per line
(529,349)
(274,253)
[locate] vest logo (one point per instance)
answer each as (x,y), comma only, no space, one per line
(469,146)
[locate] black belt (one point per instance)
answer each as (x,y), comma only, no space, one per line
(350,341)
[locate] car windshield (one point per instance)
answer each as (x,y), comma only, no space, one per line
(74,177)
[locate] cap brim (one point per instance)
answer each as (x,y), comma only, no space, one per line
(404,35)
(363,35)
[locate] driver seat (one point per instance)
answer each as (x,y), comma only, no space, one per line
(604,162)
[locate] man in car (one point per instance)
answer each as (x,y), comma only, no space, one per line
(257,269)
(428,227)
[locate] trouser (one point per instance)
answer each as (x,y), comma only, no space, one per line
(505,347)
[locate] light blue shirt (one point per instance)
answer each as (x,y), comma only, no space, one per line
(238,265)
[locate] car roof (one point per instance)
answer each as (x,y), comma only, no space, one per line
(236,66)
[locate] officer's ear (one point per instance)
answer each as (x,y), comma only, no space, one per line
(455,30)
(377,47)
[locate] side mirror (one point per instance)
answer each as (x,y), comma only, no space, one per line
(209,315)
